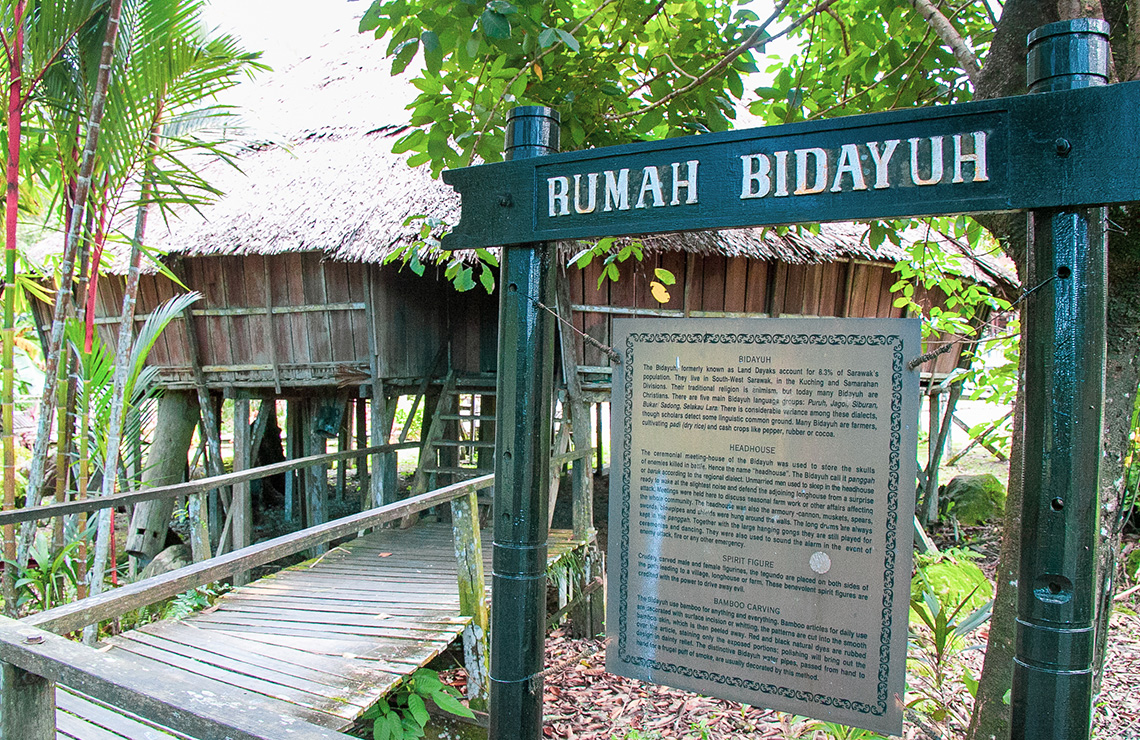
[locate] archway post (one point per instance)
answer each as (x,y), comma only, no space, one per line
(522,457)
(1064,324)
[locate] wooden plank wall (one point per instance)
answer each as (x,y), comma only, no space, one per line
(714,285)
(415,315)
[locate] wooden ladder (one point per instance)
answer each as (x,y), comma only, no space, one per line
(460,439)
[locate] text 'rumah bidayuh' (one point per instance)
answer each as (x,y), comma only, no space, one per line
(959,159)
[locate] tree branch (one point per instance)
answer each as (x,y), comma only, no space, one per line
(950,37)
(1132,62)
(727,59)
(879,79)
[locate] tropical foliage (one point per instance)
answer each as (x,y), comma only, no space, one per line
(615,70)
(108,100)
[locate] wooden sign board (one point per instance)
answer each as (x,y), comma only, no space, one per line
(761,499)
(1067,148)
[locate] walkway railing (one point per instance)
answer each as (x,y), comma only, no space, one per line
(33,657)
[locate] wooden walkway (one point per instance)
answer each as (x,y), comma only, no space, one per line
(319,642)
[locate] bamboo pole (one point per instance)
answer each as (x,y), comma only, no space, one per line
(67,267)
(104,533)
(7,361)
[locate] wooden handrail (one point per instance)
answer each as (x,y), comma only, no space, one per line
(110,604)
(15,516)
(128,682)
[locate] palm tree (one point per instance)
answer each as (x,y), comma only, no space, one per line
(156,71)
(34,37)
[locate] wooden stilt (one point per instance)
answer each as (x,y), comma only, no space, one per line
(934,419)
(472,596)
(316,479)
(294,448)
(359,405)
(177,416)
(561,446)
(598,436)
(343,438)
(383,480)
(485,456)
(582,480)
(377,406)
(241,504)
(939,431)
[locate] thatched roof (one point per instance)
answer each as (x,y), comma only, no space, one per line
(325,179)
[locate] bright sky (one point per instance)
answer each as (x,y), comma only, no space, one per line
(282,29)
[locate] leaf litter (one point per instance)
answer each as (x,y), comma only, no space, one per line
(582,701)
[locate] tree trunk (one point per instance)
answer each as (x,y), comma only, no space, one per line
(1122,375)
(990,719)
(104,537)
(1003,75)
(166,463)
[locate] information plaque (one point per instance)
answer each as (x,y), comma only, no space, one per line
(761,499)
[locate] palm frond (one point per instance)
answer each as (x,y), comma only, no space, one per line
(148,334)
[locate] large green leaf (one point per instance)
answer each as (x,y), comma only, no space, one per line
(495,25)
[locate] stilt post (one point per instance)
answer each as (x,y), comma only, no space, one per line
(242,534)
(27,705)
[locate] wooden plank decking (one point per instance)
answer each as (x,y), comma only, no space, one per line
(320,641)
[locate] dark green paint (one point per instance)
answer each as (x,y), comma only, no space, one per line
(506,203)
(522,461)
(1065,355)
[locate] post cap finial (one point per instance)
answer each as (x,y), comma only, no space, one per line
(1068,54)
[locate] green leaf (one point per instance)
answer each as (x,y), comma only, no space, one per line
(404,55)
(495,25)
(417,709)
(567,39)
(449,703)
(395,728)
(381,730)
(502,7)
(547,38)
(371,18)
(487,257)
(664,276)
(463,282)
(433,52)
(487,278)
(426,682)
